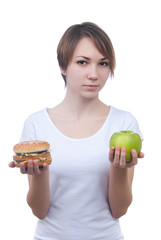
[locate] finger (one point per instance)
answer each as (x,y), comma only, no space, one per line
(30,170)
(23,169)
(117,156)
(45,167)
(123,158)
(134,157)
(141,155)
(111,154)
(37,170)
(11,164)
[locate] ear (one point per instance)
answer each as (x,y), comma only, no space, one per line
(63,72)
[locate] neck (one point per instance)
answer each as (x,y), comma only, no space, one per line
(80,107)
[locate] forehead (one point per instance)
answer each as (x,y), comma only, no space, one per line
(86,47)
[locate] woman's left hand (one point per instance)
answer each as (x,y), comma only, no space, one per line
(117,157)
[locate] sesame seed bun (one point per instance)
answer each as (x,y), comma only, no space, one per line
(31,146)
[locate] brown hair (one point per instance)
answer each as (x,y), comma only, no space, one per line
(74,34)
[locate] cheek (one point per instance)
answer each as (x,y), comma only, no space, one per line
(73,80)
(76,77)
(105,76)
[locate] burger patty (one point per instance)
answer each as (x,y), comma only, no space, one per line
(33,156)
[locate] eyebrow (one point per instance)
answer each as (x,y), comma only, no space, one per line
(87,58)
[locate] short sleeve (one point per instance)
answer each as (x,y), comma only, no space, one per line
(133,125)
(28,132)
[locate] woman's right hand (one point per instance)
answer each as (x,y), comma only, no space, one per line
(31,168)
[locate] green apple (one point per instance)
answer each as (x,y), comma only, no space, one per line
(128,139)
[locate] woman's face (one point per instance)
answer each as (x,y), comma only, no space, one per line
(88,70)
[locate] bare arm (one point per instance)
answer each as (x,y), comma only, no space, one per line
(38,197)
(120,181)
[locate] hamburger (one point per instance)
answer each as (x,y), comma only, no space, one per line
(32,150)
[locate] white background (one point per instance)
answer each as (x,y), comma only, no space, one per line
(30,80)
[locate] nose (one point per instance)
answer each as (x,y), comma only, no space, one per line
(92,73)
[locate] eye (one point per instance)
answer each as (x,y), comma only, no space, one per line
(104,64)
(81,62)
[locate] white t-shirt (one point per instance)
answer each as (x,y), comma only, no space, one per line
(79,173)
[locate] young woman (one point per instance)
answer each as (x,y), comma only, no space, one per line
(88,186)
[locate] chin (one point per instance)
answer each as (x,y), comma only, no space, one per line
(89,95)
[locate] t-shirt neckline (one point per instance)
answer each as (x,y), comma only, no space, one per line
(79,139)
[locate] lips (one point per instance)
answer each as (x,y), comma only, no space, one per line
(91,85)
